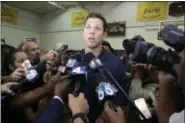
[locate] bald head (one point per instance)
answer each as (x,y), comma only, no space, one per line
(32,49)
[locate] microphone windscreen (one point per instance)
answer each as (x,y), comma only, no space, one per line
(34,60)
(88,57)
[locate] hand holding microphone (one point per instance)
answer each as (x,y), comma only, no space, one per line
(78,104)
(48,77)
(49,56)
(17,74)
(6,88)
(111,116)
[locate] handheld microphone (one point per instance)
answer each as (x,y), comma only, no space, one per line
(79,70)
(105,90)
(96,64)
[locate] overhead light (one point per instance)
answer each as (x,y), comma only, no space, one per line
(56,5)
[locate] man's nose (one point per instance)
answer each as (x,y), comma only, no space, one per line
(92,31)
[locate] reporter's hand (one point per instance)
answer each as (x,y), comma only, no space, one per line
(5,88)
(49,56)
(17,74)
(111,116)
(165,77)
(140,71)
(78,104)
(52,78)
(63,88)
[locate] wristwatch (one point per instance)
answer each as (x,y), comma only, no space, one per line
(82,116)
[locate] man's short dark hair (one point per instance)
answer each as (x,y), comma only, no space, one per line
(99,16)
(3,40)
(105,43)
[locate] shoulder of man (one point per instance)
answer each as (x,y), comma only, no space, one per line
(112,56)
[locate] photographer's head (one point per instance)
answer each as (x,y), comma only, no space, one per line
(106,45)
(32,49)
(129,44)
(94,30)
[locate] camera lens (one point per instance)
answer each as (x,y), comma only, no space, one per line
(150,54)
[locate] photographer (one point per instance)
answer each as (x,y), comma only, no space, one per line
(166,107)
(144,81)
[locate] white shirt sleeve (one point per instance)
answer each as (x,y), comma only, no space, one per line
(177,117)
(57,97)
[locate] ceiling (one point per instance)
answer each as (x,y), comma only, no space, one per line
(44,7)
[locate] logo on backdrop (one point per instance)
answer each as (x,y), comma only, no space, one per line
(152,11)
(78,18)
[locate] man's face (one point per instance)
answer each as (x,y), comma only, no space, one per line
(33,49)
(94,33)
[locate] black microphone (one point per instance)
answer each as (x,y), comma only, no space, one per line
(79,71)
(96,64)
(104,90)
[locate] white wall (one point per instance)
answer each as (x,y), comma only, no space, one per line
(57,26)
(28,25)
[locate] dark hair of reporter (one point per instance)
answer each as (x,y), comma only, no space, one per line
(3,40)
(9,60)
(105,43)
(6,52)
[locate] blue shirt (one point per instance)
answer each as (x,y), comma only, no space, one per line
(116,67)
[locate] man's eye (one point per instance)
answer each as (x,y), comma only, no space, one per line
(87,27)
(97,28)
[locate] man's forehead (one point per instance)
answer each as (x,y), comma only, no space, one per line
(32,44)
(96,21)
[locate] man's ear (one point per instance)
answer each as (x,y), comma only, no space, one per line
(105,34)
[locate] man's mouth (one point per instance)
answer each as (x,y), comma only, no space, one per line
(91,38)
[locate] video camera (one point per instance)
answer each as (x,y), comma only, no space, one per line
(164,60)
(173,37)
(167,61)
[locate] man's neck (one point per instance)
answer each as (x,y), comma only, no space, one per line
(95,51)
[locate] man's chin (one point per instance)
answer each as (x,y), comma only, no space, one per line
(92,46)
